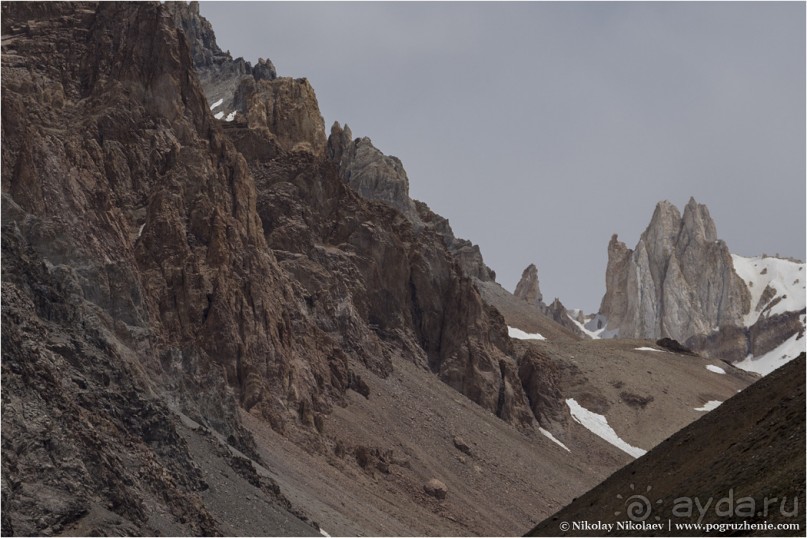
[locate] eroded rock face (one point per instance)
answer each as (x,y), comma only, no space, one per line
(679,281)
(287,108)
(381,287)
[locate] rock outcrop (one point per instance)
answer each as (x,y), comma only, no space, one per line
(679,281)
(376,176)
(528,288)
(369,172)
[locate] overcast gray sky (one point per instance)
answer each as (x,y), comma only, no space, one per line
(539,129)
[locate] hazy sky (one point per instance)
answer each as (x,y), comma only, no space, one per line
(540,129)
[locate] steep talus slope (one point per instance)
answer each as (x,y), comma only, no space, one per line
(759,454)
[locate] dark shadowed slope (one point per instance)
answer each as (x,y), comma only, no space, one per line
(752,446)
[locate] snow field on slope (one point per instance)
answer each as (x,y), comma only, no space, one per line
(770,361)
(786,277)
(708,406)
(521,335)
(598,425)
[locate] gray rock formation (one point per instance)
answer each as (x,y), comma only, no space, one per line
(528,288)
(679,281)
(369,172)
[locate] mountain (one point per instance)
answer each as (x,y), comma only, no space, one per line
(216,320)
(677,282)
(755,472)
(681,282)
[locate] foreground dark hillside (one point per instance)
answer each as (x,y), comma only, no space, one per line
(752,446)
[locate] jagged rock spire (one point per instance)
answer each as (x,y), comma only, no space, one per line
(528,287)
(679,281)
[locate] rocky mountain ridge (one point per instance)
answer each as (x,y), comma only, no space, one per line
(204,299)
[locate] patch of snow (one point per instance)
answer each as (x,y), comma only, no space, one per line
(230,116)
(325,534)
(708,406)
(140,231)
(598,425)
(715,369)
(553,438)
(592,334)
(770,361)
(784,276)
(218,115)
(217,103)
(644,348)
(521,335)
(597,325)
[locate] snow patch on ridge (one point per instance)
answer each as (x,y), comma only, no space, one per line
(715,369)
(598,425)
(786,277)
(521,335)
(217,103)
(644,348)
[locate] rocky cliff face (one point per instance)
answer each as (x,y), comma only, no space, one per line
(157,261)
(679,281)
